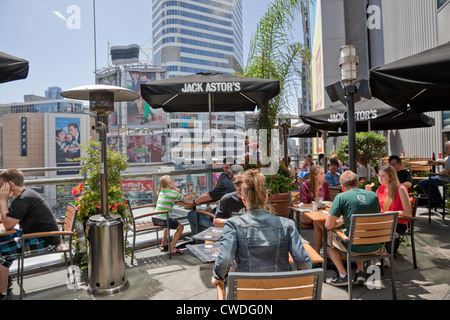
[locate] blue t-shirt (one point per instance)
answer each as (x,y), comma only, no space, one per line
(333,180)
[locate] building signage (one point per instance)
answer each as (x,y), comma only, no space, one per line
(23,137)
(212,87)
(359,116)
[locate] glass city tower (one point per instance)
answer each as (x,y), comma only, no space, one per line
(192,36)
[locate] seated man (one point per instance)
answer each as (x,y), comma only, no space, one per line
(33,215)
(333,176)
(351,201)
(441,179)
(223,186)
(231,202)
(404,177)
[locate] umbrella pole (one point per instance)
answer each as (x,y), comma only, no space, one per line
(210,115)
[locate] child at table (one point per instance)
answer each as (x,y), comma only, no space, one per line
(167,195)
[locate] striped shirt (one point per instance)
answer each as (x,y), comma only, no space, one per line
(166,200)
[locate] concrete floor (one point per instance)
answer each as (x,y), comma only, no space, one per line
(156,277)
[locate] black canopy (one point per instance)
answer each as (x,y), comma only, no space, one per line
(206,92)
(421,80)
(307,131)
(12,68)
(373,113)
(304,131)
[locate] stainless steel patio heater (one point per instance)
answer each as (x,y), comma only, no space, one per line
(105,231)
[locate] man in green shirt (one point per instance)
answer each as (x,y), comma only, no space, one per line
(351,201)
(141,151)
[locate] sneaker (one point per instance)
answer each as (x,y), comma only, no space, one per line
(339,282)
(360,278)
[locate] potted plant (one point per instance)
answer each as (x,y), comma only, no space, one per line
(370,146)
(88,194)
(278,186)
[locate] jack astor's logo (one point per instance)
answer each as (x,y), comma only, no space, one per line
(359,115)
(212,87)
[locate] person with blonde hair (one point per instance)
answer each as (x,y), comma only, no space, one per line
(315,189)
(393,196)
(258,241)
(167,195)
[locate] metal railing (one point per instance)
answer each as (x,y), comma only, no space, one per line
(49,186)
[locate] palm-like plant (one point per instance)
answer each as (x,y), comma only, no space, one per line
(274,55)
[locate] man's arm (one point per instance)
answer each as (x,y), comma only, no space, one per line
(5,194)
(219,222)
(203,198)
(331,222)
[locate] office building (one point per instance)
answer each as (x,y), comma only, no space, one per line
(194,36)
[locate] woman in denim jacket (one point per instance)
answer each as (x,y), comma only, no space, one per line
(258,241)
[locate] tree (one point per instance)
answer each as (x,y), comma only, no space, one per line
(274,55)
(369,146)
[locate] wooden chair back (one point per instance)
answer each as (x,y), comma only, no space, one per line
(373,228)
(419,167)
(290,285)
(334,192)
(70,217)
(294,198)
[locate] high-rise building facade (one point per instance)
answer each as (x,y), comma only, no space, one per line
(192,36)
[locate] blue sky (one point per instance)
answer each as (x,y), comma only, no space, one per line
(62,53)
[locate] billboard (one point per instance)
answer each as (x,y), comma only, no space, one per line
(146,149)
(139,112)
(67,145)
(317,75)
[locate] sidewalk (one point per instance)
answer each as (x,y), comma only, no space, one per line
(156,277)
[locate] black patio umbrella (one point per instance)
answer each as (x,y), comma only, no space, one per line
(421,80)
(307,131)
(12,68)
(304,131)
(369,115)
(209,92)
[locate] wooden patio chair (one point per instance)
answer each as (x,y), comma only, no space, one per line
(410,230)
(67,234)
(370,229)
(143,223)
(289,285)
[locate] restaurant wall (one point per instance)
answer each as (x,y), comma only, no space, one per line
(409,27)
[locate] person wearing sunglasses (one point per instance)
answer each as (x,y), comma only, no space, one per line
(231,203)
(224,186)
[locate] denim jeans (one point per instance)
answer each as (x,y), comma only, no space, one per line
(435,196)
(203,221)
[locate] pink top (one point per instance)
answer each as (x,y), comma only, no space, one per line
(306,166)
(306,195)
(396,205)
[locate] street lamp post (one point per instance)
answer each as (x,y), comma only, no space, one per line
(348,62)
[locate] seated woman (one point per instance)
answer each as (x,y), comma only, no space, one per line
(393,196)
(258,241)
(308,163)
(315,189)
